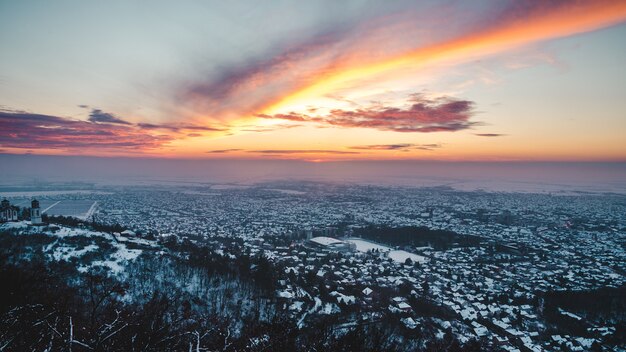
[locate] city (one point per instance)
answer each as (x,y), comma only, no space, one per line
(313,176)
(486,267)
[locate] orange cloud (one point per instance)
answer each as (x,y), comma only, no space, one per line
(518,26)
(388,46)
(422,115)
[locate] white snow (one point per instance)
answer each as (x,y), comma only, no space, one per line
(365,246)
(285,294)
(325,241)
(59,250)
(65,253)
(330,308)
(399,256)
(409,323)
(297,306)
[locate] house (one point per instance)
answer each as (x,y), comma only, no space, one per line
(7,212)
(405,307)
(409,323)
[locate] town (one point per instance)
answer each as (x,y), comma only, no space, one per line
(498,268)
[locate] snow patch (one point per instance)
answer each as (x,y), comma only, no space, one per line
(399,256)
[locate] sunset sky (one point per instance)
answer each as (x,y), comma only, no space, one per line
(315,80)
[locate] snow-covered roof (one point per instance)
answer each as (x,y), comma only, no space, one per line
(404,305)
(481,331)
(325,241)
(409,323)
(285,294)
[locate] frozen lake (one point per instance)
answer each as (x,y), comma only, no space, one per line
(399,256)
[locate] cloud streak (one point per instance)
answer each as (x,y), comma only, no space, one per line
(99,116)
(223,151)
(489,134)
(325,62)
(302,151)
(178,127)
(254,128)
(405,147)
(102,132)
(444,114)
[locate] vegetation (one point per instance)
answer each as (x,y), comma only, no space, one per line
(186,298)
(75,222)
(600,306)
(416,236)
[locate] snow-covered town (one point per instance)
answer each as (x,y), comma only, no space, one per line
(488,270)
(313,176)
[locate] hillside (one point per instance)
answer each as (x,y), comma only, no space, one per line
(84,290)
(79,289)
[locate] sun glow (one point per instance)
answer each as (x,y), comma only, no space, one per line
(542,26)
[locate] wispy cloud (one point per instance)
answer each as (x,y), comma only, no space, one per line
(317,65)
(405,147)
(35,131)
(223,151)
(178,127)
(248,88)
(302,151)
(99,116)
(254,128)
(104,132)
(489,134)
(421,115)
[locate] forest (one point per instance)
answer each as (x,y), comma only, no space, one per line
(415,236)
(599,307)
(178,297)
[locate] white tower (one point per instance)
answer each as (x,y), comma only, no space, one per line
(35,213)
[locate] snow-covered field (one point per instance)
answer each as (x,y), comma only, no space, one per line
(49,193)
(66,253)
(364,246)
(401,256)
(78,208)
(397,255)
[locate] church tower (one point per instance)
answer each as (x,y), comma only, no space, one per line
(35,213)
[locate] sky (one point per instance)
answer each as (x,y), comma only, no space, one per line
(317,81)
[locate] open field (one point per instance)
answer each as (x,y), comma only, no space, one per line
(79,208)
(399,256)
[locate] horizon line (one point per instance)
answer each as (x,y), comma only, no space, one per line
(318,160)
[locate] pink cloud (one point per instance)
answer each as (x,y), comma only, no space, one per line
(23,130)
(411,34)
(421,115)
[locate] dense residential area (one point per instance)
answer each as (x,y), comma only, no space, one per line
(316,266)
(313,176)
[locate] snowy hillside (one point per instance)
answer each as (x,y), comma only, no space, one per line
(86,248)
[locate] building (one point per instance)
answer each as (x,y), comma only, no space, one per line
(35,213)
(330,243)
(7,212)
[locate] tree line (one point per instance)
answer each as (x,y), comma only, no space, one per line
(416,236)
